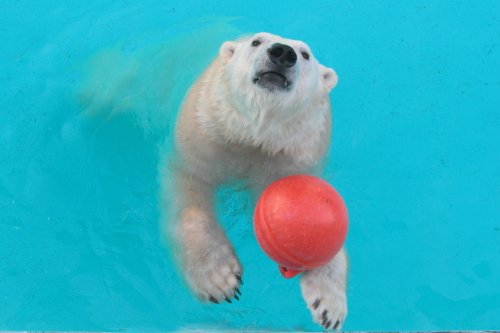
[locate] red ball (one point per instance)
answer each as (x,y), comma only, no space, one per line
(300,221)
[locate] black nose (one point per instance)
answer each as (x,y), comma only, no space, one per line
(282,55)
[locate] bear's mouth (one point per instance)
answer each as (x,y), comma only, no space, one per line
(271,80)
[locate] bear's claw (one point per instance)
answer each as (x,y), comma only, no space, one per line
(326,299)
(216,274)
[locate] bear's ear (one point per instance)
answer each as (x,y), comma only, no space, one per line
(328,77)
(227,50)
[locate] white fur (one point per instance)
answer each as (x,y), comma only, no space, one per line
(230,128)
(324,290)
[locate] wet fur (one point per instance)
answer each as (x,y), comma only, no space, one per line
(230,129)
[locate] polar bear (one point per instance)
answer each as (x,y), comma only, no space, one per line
(261,111)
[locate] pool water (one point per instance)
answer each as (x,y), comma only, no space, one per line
(88,98)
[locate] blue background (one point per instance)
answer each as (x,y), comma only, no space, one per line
(88,97)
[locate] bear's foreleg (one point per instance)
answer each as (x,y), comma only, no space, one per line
(324,290)
(210,264)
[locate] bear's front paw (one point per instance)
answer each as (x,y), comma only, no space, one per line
(215,274)
(325,297)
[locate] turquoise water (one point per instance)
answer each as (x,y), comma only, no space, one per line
(88,97)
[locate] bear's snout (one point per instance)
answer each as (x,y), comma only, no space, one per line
(282,55)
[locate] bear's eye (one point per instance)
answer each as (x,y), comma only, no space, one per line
(305,55)
(256,43)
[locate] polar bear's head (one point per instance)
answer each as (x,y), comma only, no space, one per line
(266,69)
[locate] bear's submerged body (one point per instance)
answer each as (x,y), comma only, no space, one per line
(260,112)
